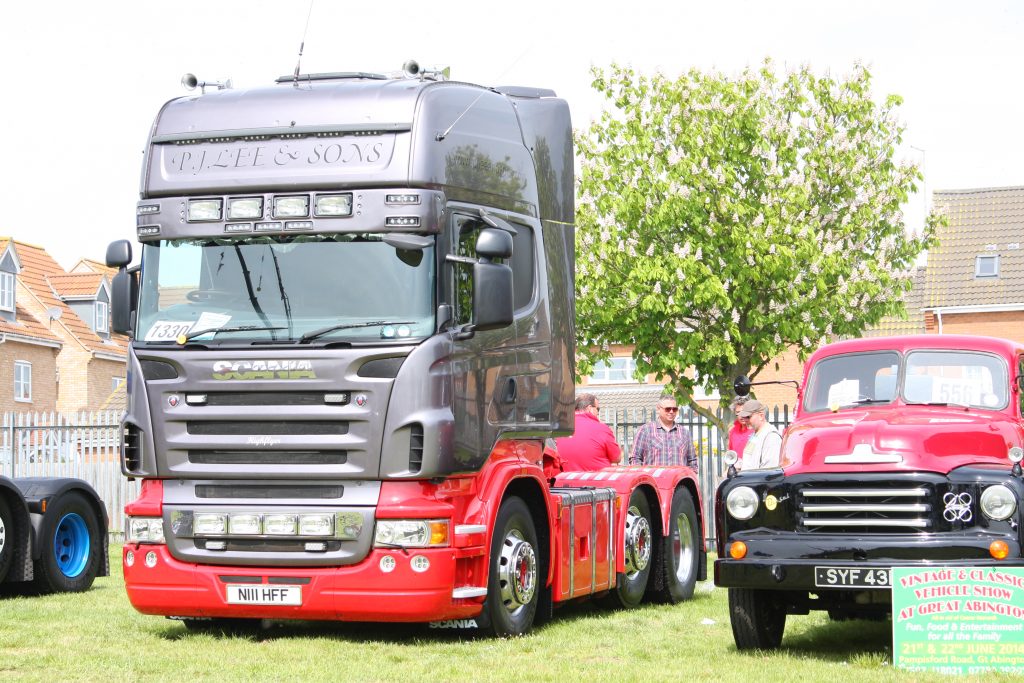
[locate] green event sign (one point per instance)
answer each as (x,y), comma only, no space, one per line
(958,620)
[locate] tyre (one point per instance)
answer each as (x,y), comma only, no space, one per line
(676,572)
(70,546)
(638,543)
(758,619)
(8,543)
(513,583)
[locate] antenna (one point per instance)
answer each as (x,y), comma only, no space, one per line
(302,45)
(442,135)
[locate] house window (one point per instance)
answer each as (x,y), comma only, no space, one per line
(986,266)
(702,394)
(7,291)
(116,382)
(102,317)
(615,371)
(22,381)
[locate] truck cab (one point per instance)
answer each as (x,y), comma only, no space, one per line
(904,451)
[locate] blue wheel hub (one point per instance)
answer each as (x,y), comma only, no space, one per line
(71,545)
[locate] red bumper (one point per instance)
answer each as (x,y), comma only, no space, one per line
(362,592)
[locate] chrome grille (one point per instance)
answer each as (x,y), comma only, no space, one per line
(880,509)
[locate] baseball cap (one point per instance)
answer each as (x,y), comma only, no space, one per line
(751,407)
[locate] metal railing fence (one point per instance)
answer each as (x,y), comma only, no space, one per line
(708,440)
(87,446)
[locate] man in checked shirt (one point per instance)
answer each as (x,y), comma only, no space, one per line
(662,441)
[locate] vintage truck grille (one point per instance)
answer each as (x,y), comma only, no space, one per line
(868,509)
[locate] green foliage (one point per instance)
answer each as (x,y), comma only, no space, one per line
(723,220)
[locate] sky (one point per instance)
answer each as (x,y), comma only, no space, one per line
(86,79)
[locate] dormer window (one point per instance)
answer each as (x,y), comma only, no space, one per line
(986,266)
(7,291)
(102,317)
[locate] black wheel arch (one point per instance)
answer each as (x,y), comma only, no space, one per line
(40,492)
(21,564)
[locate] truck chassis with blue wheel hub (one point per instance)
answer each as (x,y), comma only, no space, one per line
(53,534)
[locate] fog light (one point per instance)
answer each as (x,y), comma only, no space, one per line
(151,559)
(737,550)
(291,207)
(248,207)
(419,564)
(333,205)
(280,525)
(210,524)
(204,209)
(998,549)
(245,525)
(316,525)
(129,559)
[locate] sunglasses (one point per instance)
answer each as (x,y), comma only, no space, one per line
(673,409)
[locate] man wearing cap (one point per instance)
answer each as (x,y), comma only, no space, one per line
(739,433)
(765,445)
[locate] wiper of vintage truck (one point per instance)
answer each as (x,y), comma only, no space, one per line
(868,401)
(309,336)
(217,330)
(940,403)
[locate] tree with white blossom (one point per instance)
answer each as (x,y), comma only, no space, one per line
(722,221)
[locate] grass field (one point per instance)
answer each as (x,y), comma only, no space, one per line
(97,636)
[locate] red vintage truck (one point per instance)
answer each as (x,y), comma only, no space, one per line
(353,341)
(904,451)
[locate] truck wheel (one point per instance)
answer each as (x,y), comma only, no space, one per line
(7,540)
(638,542)
(512,587)
(70,546)
(676,574)
(757,619)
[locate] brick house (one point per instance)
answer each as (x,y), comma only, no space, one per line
(974,282)
(84,362)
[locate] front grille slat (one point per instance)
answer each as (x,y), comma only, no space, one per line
(267,428)
(871,509)
(269,491)
(268,457)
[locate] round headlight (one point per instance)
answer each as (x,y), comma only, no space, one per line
(1016,454)
(730,457)
(998,502)
(741,502)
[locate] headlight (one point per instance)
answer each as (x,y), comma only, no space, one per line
(741,502)
(411,533)
(145,530)
(998,502)
(1016,454)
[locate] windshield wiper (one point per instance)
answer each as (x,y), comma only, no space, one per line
(869,401)
(239,328)
(940,403)
(309,336)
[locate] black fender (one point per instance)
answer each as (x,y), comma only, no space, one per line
(21,567)
(38,492)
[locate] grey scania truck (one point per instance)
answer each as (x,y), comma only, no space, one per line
(353,342)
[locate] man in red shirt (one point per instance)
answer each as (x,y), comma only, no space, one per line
(739,433)
(592,446)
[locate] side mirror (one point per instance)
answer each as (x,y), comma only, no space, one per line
(492,296)
(119,254)
(123,294)
(741,385)
(492,244)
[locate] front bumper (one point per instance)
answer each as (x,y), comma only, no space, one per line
(787,560)
(361,592)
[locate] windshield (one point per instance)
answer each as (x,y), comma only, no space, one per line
(924,377)
(283,287)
